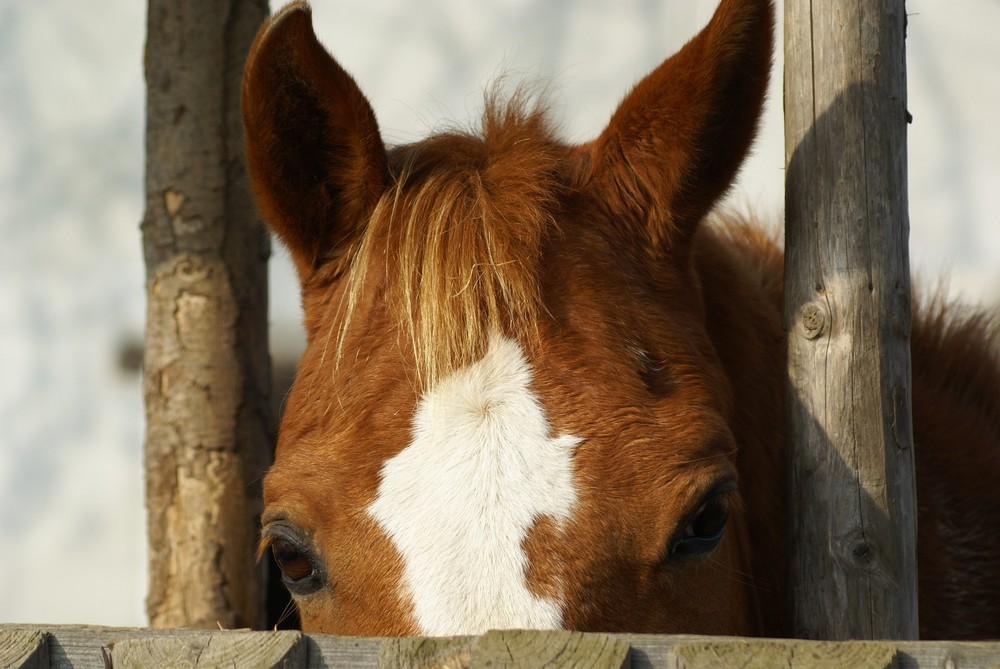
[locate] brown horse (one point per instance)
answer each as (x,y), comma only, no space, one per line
(540,390)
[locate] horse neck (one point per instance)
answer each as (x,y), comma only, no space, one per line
(741,274)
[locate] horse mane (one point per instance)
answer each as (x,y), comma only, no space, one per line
(959,348)
(458,233)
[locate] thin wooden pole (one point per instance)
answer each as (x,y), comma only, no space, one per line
(206,367)
(852,553)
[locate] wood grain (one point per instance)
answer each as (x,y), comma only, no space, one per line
(247,650)
(23,649)
(509,648)
(83,647)
(741,654)
(852,516)
(206,369)
(532,648)
(426,653)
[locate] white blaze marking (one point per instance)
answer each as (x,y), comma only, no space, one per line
(460,499)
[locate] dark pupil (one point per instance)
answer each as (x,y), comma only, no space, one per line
(292,562)
(711,521)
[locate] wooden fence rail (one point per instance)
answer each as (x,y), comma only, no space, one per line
(60,647)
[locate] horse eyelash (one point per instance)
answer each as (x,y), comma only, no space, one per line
(266,541)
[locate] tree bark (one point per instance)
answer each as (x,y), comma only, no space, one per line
(852,500)
(209,430)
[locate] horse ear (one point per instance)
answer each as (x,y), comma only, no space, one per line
(316,159)
(676,141)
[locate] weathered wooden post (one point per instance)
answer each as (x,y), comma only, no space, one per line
(852,560)
(206,367)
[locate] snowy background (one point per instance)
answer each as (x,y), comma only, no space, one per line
(72,542)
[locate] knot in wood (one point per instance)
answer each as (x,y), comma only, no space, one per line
(813,319)
(862,553)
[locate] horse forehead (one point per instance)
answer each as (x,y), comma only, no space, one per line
(458,502)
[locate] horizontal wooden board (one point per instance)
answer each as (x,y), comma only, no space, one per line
(85,647)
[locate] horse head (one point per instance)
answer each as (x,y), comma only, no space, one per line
(511,410)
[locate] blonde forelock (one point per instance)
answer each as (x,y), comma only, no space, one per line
(460,234)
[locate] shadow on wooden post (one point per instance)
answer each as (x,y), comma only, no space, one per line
(852,506)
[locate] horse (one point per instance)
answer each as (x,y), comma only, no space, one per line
(543,382)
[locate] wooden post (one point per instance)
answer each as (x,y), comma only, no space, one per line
(206,367)
(852,514)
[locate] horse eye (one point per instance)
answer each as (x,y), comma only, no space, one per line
(293,563)
(299,570)
(704,530)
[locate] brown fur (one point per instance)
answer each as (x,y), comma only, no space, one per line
(655,336)
(462,224)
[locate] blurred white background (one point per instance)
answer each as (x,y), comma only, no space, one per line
(72,522)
